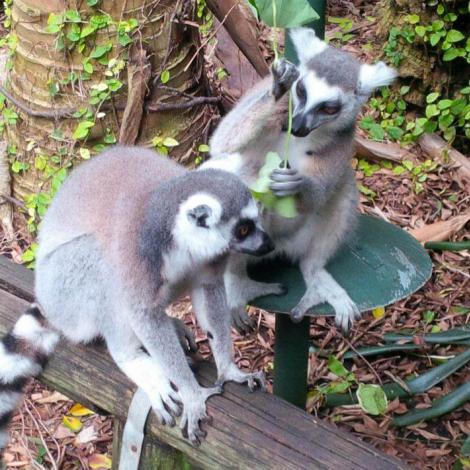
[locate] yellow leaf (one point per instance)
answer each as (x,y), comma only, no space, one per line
(80,410)
(378,312)
(99,461)
(74,424)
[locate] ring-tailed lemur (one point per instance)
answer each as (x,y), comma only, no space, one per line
(329,88)
(128,233)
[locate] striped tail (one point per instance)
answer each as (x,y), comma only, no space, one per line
(23,354)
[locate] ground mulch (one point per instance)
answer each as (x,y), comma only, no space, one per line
(39,438)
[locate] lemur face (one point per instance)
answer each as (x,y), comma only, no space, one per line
(210,225)
(332,85)
(247,236)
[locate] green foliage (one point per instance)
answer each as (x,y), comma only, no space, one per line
(284,206)
(284,13)
(449,116)
(345,25)
(164,144)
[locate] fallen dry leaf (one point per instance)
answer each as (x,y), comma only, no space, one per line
(442,230)
(99,461)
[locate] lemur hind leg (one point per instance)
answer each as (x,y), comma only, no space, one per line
(213,316)
(322,287)
(241,289)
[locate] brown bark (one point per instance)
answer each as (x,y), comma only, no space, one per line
(138,76)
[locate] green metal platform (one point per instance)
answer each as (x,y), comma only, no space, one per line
(378,265)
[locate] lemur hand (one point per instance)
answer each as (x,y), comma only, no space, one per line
(234,374)
(284,73)
(286,182)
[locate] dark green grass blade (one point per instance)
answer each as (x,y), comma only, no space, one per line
(418,385)
(439,407)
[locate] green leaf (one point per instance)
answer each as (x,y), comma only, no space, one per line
(87,31)
(444,104)
(398,170)
(372,399)
(404,89)
(420,31)
(82,130)
(92,3)
(170,142)
(87,67)
(395,132)
(290,13)
(85,153)
(336,367)
(100,51)
(432,97)
(165,76)
(454,36)
(450,54)
(203,148)
(412,19)
(73,16)
(376,132)
(286,206)
(431,110)
(434,39)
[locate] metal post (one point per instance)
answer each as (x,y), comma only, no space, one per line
(291,359)
(291,347)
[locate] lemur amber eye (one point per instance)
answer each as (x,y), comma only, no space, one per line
(330,108)
(243,231)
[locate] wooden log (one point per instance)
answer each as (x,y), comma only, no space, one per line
(436,147)
(249,430)
(380,151)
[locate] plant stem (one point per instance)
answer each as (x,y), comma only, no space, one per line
(276,53)
(289,129)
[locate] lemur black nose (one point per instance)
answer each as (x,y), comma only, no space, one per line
(266,246)
(299,129)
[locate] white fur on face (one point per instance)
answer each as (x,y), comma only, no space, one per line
(28,328)
(318,90)
(374,76)
(193,244)
(250,211)
(306,43)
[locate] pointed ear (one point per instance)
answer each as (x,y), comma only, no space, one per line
(374,76)
(199,215)
(306,43)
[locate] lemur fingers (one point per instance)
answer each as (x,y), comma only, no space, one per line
(185,336)
(241,321)
(234,374)
(286,182)
(194,414)
(284,73)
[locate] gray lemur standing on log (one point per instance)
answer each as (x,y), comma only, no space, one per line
(128,233)
(329,88)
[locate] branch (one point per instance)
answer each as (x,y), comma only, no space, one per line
(60,113)
(240,25)
(56,114)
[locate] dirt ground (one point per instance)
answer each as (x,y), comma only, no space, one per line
(40,439)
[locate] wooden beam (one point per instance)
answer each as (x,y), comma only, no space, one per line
(249,430)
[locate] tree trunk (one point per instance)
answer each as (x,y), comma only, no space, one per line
(165,40)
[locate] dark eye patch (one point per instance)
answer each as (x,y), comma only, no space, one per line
(329,107)
(301,91)
(244,228)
